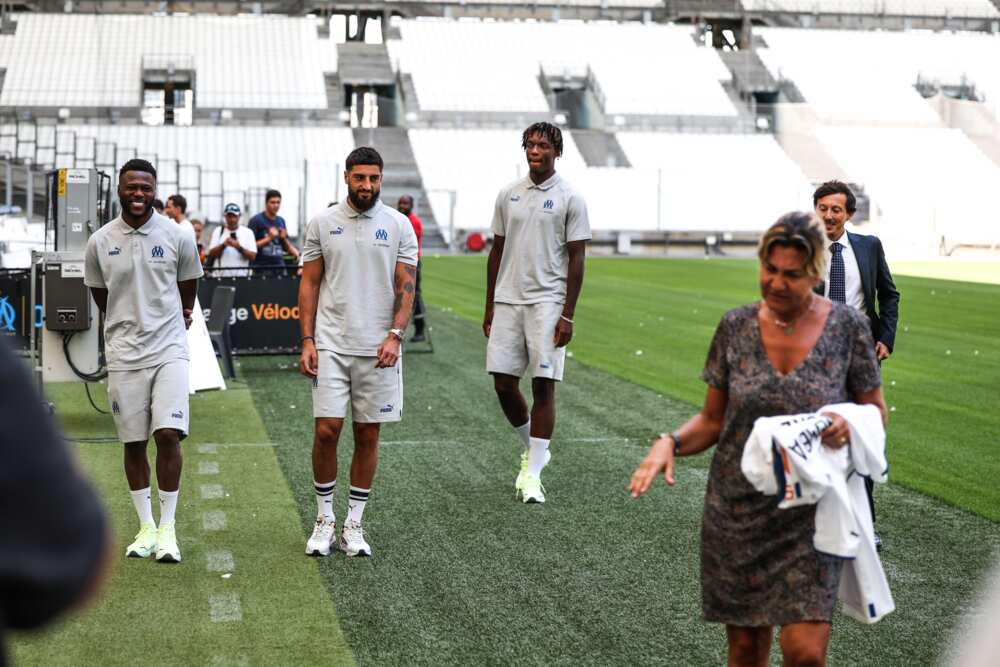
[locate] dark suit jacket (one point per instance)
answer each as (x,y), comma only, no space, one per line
(876,287)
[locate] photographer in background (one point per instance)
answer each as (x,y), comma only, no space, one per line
(271,234)
(232,247)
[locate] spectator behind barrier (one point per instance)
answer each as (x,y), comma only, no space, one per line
(232,246)
(271,234)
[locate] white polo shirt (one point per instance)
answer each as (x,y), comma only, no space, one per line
(537,221)
(232,259)
(140,268)
(359,253)
(852,274)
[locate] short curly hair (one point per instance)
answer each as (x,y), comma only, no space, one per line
(547,130)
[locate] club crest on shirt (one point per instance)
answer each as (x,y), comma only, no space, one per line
(382,238)
(548,205)
(157,252)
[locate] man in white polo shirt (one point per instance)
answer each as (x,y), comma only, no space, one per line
(143,271)
(233,246)
(533,278)
(355,299)
(176,210)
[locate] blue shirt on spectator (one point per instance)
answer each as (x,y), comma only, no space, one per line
(273,253)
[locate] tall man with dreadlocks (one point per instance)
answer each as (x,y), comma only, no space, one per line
(533,278)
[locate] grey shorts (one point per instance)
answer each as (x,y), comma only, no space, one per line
(375,395)
(148,399)
(522,337)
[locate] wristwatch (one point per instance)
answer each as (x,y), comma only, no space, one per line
(398,333)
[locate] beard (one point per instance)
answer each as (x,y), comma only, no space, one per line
(360,204)
(126,207)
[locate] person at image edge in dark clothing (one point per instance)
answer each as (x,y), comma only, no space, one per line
(54,540)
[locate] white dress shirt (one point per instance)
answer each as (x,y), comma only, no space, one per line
(852,275)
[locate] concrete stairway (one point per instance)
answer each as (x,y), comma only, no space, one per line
(795,132)
(401,176)
(600,149)
(750,75)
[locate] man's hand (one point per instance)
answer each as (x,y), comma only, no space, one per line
(881,351)
(309,361)
(272,231)
(283,233)
(564,333)
(231,242)
(388,352)
(187,317)
(488,321)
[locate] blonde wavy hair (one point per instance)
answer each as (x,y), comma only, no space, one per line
(801,230)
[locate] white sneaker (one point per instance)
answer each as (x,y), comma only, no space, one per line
(352,540)
(322,537)
(145,542)
(523,472)
(532,490)
(167,550)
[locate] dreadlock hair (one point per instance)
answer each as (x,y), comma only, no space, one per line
(547,130)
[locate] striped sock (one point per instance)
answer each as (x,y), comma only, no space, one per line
(324,499)
(356,501)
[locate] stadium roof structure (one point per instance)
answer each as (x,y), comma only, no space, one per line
(974,15)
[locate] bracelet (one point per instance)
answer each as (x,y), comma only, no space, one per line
(563,317)
(305,338)
(677,441)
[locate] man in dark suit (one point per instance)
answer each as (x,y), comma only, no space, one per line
(857,274)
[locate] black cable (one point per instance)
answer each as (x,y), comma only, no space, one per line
(86,385)
(96,376)
(93,440)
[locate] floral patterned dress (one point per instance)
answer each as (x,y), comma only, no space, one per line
(758,564)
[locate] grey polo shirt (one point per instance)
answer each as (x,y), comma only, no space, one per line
(537,221)
(140,268)
(359,253)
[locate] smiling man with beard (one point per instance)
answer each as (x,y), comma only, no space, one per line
(355,299)
(143,271)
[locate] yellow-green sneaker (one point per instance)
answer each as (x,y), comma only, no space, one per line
(145,542)
(167,550)
(523,472)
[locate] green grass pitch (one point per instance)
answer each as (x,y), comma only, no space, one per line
(463,574)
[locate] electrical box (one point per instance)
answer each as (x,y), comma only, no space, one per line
(66,298)
(76,204)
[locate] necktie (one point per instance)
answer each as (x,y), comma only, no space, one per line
(838,281)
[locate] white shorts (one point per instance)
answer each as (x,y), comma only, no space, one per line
(522,337)
(148,399)
(374,394)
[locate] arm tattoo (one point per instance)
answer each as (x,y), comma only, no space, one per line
(410,270)
(408,287)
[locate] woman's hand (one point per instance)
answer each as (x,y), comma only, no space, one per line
(660,458)
(837,434)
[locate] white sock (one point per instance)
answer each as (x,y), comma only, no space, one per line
(168,505)
(143,505)
(324,500)
(356,501)
(536,456)
(524,430)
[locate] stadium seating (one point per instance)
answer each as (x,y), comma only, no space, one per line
(249,157)
(734,182)
(710,183)
(929,187)
(500,63)
(967,8)
(248,62)
(869,77)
